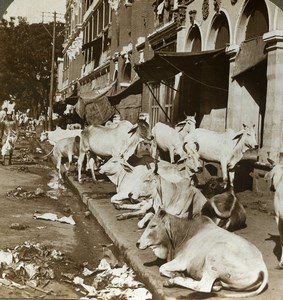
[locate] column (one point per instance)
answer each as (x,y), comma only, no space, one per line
(234,104)
(273,119)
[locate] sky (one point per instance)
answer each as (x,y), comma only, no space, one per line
(33,9)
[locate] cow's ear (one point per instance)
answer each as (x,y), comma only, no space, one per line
(127,167)
(161,213)
(245,126)
(238,136)
(133,129)
(272,162)
(197,146)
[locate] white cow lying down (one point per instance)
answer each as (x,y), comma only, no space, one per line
(211,257)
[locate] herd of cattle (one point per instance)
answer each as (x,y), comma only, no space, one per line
(184,225)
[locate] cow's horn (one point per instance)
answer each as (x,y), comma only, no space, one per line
(197,146)
(184,147)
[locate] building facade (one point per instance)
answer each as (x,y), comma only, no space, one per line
(220,60)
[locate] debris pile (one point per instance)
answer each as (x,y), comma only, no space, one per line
(25,156)
(32,266)
(29,267)
(19,192)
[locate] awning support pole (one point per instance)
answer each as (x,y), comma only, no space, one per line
(170,86)
(150,89)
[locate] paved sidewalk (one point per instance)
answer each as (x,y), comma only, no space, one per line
(124,235)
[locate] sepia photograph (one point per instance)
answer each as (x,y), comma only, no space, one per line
(141,149)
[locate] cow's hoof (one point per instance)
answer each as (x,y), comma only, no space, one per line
(280,265)
(120,217)
(117,206)
(169,283)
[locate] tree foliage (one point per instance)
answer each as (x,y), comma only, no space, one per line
(25,62)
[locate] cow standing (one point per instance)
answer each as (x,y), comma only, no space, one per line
(106,141)
(226,148)
(210,257)
(65,148)
(171,139)
(276,178)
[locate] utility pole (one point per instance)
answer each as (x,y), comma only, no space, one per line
(52,72)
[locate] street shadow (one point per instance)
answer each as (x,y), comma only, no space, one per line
(277,247)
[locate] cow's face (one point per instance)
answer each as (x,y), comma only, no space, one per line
(115,165)
(155,236)
(191,160)
(142,129)
(43,136)
(249,137)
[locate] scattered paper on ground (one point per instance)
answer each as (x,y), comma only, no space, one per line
(54,217)
(32,266)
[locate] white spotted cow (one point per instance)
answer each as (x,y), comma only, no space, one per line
(204,257)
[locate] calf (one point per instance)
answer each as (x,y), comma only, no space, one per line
(174,144)
(55,135)
(276,178)
(209,256)
(68,148)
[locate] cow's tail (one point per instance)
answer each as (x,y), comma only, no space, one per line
(263,277)
(48,154)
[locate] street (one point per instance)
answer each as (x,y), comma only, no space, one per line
(24,193)
(28,189)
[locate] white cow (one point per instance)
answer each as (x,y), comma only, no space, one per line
(65,148)
(123,175)
(276,178)
(227,148)
(58,134)
(106,141)
(166,188)
(171,139)
(209,256)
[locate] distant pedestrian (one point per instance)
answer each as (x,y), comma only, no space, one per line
(3,114)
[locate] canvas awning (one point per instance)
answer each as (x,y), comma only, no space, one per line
(252,52)
(94,106)
(165,65)
(134,88)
